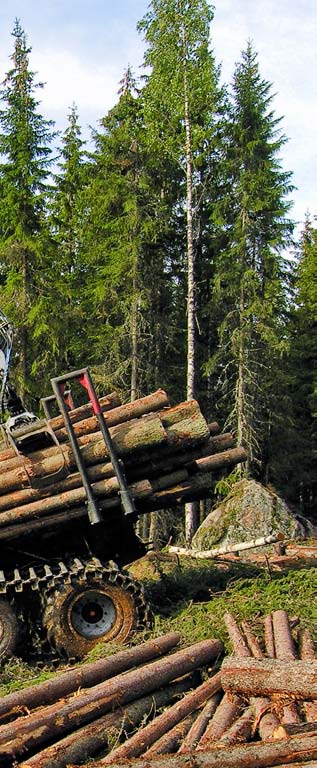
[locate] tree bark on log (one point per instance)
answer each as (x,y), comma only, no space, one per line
(54,720)
(252,641)
(170,741)
(285,649)
(85,676)
(283,641)
(86,742)
(239,644)
(307,653)
(241,729)
(262,677)
(266,720)
(199,726)
(228,711)
(132,410)
(269,636)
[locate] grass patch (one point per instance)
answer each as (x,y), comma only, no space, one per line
(246,598)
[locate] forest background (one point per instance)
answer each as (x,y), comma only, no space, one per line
(164,254)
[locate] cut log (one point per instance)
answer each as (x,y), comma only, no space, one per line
(269,636)
(307,653)
(85,676)
(239,644)
(107,402)
(252,641)
(284,731)
(306,645)
(143,739)
(285,649)
(262,677)
(49,723)
(226,459)
(283,641)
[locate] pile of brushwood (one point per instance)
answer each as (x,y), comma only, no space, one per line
(171,455)
(256,707)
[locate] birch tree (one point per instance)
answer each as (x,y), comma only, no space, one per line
(179,98)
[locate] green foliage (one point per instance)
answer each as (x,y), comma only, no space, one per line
(250,283)
(25,139)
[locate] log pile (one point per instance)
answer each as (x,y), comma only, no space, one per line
(171,455)
(82,711)
(257,709)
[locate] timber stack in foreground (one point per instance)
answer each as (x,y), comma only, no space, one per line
(258,709)
(170,455)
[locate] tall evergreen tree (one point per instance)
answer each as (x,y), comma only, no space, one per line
(116,202)
(298,479)
(67,342)
(25,140)
(250,286)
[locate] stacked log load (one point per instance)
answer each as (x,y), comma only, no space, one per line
(183,707)
(170,456)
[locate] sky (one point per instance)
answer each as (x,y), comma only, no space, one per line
(81,49)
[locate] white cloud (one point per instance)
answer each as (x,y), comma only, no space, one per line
(68,79)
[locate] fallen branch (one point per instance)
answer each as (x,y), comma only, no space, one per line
(270,539)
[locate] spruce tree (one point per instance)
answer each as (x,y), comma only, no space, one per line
(115,220)
(250,283)
(67,341)
(25,138)
(299,483)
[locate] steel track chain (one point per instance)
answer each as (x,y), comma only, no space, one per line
(45,579)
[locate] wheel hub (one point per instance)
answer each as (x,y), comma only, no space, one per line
(92,614)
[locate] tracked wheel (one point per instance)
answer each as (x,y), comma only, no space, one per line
(97,605)
(9,631)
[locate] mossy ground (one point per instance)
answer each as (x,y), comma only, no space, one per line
(192,598)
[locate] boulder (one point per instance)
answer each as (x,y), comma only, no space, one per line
(250,511)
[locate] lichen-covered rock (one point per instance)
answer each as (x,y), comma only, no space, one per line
(248,512)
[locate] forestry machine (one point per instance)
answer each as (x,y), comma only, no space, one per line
(62,589)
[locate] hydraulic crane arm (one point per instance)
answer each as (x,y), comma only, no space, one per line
(6,341)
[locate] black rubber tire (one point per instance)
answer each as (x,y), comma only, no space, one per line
(58,616)
(9,631)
